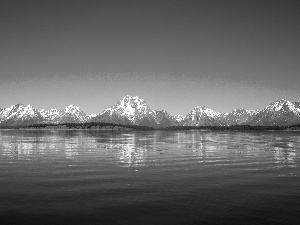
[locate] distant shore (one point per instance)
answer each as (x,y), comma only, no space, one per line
(121,127)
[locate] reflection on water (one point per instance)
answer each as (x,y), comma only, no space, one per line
(27,144)
(151,177)
(146,148)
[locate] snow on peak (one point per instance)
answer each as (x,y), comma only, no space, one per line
(131,100)
(28,111)
(203,110)
(283,100)
(16,107)
(131,97)
(280,105)
(283,106)
(29,108)
(131,107)
(177,117)
(19,112)
(136,110)
(71,113)
(72,109)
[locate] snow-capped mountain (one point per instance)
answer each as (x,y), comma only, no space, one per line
(19,115)
(134,110)
(239,116)
(129,110)
(71,114)
(279,113)
(202,116)
(132,107)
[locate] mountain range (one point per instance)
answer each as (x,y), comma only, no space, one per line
(131,110)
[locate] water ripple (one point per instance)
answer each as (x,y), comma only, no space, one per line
(154,177)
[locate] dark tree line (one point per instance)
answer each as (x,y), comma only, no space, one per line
(234,128)
(113,126)
(90,125)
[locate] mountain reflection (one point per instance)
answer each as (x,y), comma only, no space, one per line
(131,149)
(26,144)
(134,149)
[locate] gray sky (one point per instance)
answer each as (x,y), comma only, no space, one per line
(174,54)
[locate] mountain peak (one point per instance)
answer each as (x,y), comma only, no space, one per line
(130,96)
(280,105)
(204,110)
(282,100)
(201,107)
(17,105)
(132,107)
(131,99)
(72,108)
(29,106)
(133,110)
(280,113)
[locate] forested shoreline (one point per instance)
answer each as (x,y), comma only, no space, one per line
(113,126)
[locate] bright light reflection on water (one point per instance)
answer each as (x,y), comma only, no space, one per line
(153,177)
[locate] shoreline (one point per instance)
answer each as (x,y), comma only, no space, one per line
(101,126)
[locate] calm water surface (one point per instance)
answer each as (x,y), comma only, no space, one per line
(155,177)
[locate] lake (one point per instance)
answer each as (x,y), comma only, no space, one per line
(149,177)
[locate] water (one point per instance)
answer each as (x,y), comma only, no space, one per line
(153,177)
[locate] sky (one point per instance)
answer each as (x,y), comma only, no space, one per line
(173,54)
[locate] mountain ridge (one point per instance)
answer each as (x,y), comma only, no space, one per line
(132,110)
